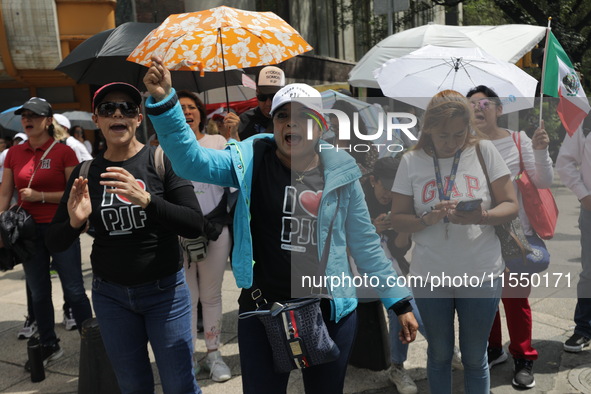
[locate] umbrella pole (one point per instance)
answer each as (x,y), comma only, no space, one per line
(224,68)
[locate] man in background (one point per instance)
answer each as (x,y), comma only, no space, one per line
(258,120)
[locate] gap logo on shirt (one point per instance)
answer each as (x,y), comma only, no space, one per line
(119,215)
(298,228)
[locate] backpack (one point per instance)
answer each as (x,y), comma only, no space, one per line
(158,163)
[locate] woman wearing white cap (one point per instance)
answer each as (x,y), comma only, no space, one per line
(289,193)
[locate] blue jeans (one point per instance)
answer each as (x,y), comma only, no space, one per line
(159,312)
(476,316)
(398,350)
(256,360)
(68,265)
(583,309)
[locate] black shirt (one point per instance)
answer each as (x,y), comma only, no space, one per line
(254,122)
(284,215)
(133,245)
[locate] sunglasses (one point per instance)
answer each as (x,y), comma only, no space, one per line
(107,109)
(31,116)
(482,104)
(265,97)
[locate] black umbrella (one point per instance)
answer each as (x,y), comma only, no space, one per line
(101,59)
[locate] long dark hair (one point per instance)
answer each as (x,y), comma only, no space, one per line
(198,103)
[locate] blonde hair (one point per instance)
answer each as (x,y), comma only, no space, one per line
(444,106)
(59,131)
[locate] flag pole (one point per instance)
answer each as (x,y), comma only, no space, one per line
(548,29)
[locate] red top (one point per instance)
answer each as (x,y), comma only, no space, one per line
(50,176)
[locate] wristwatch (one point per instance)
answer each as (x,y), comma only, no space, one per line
(422,218)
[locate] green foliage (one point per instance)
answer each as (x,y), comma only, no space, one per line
(482,12)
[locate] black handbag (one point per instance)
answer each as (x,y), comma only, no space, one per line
(296,329)
(18,232)
(297,334)
(514,244)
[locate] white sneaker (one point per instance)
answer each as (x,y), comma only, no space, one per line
(69,321)
(218,370)
(402,380)
(456,361)
(28,330)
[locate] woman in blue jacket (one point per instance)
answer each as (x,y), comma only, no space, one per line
(290,191)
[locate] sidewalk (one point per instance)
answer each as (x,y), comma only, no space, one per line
(555,370)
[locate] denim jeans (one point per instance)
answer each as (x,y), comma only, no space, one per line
(399,350)
(69,268)
(475,317)
(583,309)
(256,360)
(158,312)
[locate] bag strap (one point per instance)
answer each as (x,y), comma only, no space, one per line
(84,168)
(518,143)
(483,165)
(256,293)
(41,161)
(158,163)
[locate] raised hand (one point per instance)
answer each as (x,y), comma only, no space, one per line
(540,139)
(158,80)
(121,182)
(79,206)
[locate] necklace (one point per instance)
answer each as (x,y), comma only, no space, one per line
(300,176)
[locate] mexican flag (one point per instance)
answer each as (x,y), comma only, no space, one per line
(561,80)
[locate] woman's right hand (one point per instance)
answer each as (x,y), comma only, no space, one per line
(158,80)
(79,206)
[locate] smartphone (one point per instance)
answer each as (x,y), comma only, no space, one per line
(469,205)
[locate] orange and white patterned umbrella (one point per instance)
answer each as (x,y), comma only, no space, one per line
(221,38)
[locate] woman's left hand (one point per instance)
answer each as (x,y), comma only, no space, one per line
(540,139)
(408,332)
(124,184)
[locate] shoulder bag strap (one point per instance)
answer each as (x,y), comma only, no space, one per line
(518,143)
(483,165)
(257,294)
(41,161)
(84,168)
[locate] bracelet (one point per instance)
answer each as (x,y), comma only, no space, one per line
(42,198)
(422,219)
(483,218)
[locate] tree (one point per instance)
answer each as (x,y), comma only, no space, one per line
(570,23)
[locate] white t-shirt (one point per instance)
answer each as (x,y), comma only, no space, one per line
(468,249)
(78,148)
(88,146)
(209,195)
(537,163)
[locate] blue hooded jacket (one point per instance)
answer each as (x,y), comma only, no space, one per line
(233,167)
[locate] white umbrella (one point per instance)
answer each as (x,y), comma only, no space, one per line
(507,42)
(416,77)
(82,119)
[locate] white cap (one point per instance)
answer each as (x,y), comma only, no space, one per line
(298,92)
(271,79)
(62,121)
(22,136)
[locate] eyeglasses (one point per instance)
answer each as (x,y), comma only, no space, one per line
(107,109)
(482,104)
(31,116)
(265,97)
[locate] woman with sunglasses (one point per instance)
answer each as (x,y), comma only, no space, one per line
(138,289)
(291,196)
(456,261)
(536,159)
(39,169)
